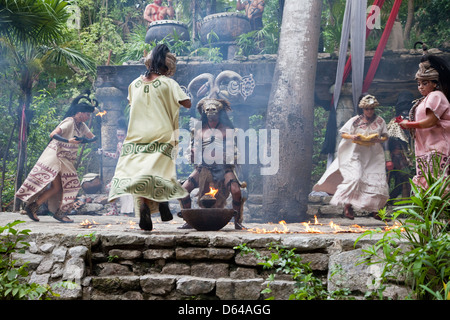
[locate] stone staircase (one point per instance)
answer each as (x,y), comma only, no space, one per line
(168,267)
(174,264)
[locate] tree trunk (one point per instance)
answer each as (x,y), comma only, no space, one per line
(409,20)
(21,159)
(5,158)
(24,107)
(291,111)
(194,20)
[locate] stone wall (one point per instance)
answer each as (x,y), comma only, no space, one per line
(196,265)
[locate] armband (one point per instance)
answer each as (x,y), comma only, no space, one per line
(413,125)
(85,140)
(59,138)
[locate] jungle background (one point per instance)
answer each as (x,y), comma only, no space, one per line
(41,71)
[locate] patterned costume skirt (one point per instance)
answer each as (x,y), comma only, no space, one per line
(431,165)
(57,158)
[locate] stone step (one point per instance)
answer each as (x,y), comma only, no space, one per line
(172,287)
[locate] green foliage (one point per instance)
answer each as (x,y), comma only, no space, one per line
(432,22)
(285,261)
(98,39)
(331,26)
(320,128)
(419,249)
(136,47)
(33,21)
(13,284)
(14,276)
(266,40)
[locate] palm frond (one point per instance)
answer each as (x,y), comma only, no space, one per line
(34,21)
(61,55)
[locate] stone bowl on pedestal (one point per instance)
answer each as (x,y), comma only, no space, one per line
(207,219)
(228,26)
(158,30)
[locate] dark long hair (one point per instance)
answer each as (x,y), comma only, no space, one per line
(441,66)
(158,60)
(81,103)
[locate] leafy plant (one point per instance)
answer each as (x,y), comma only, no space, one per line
(261,41)
(246,43)
(285,261)
(210,52)
(14,274)
(432,23)
(12,286)
(419,249)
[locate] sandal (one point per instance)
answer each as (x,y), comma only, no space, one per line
(62,217)
(31,210)
(238,225)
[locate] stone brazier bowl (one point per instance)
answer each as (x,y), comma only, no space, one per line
(207,219)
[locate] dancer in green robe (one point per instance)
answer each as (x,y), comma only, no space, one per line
(146,166)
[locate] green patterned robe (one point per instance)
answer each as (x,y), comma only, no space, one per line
(146,166)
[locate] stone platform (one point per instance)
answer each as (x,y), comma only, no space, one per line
(115,260)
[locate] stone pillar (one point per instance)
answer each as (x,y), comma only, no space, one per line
(113,101)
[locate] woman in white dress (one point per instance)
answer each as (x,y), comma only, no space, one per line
(357,177)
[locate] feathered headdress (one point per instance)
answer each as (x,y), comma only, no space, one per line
(82,103)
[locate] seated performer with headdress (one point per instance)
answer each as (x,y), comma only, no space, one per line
(214,168)
(56,165)
(254,10)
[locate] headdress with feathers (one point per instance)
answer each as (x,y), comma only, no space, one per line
(81,103)
(434,68)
